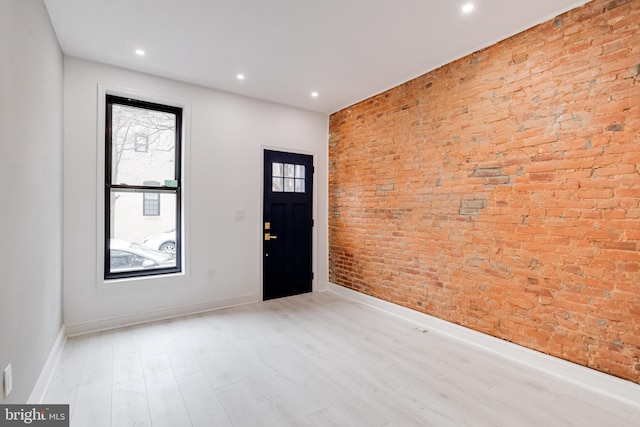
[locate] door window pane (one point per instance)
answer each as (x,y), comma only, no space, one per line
(289,170)
(277,185)
(289,185)
(277,169)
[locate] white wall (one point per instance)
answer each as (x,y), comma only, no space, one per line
(31,91)
(225,137)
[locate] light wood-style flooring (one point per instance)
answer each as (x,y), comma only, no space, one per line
(309,360)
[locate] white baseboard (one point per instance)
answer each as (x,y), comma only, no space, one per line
(155,315)
(48,370)
(608,385)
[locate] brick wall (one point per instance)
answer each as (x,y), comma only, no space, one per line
(502,191)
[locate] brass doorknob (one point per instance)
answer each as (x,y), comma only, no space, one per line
(268,236)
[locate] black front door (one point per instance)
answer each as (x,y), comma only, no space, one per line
(288,223)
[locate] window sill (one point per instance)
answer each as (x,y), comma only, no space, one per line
(138,281)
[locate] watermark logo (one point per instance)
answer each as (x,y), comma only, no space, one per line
(34,415)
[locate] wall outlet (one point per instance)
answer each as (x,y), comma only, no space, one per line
(7,380)
(212,274)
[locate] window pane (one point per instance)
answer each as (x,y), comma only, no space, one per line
(277,169)
(151,204)
(289,170)
(299,171)
(277,185)
(138,242)
(300,186)
(142,144)
(289,185)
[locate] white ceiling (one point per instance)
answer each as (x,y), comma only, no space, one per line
(346,50)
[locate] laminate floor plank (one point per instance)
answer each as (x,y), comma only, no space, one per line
(241,409)
(166,404)
(129,405)
(297,377)
(310,360)
(126,341)
(64,385)
(282,411)
(329,417)
(203,406)
(356,376)
(93,400)
(181,356)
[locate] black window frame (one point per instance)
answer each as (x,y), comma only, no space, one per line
(110,100)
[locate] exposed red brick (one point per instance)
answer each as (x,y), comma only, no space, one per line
(501,191)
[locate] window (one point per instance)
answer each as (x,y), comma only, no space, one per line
(142,143)
(288,178)
(142,158)
(151,204)
(151,201)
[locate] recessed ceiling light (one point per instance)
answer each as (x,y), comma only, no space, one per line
(314,94)
(139,52)
(468,8)
(240,76)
